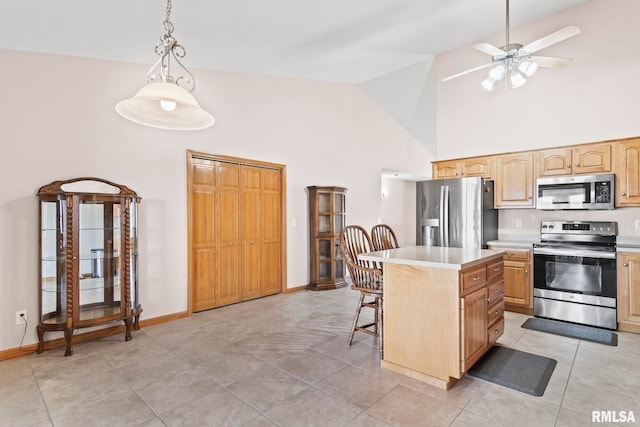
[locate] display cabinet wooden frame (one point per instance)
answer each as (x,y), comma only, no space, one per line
(88,257)
(326,220)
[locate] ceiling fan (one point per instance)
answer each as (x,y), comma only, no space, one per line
(517,60)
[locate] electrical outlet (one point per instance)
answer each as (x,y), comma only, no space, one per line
(518,223)
(637,224)
(21,317)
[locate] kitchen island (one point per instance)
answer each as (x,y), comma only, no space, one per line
(443,309)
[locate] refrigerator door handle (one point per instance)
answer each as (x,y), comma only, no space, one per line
(446,216)
(442,223)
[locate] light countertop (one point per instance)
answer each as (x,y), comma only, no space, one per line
(433,256)
(513,243)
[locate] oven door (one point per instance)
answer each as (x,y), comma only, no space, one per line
(576,269)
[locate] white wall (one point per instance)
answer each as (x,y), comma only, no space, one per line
(58,122)
(593,99)
(399,208)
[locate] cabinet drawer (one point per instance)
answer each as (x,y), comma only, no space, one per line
(473,278)
(495,313)
(496,292)
(496,331)
(495,269)
(517,254)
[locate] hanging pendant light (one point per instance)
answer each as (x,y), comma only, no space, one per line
(166,102)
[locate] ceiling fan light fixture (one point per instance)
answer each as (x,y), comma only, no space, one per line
(489,83)
(497,72)
(516,79)
(166,102)
(528,68)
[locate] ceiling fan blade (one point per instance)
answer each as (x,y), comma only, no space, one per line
(489,49)
(471,70)
(551,62)
(550,39)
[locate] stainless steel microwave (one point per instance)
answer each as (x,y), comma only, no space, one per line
(576,192)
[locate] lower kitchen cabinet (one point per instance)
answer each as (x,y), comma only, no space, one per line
(518,283)
(629,291)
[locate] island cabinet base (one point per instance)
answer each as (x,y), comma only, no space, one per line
(437,320)
(428,379)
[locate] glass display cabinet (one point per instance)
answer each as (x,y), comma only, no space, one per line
(326,221)
(88,257)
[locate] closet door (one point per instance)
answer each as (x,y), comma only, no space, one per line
(251,232)
(271,232)
(228,286)
(204,236)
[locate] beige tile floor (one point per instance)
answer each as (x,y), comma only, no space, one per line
(283,360)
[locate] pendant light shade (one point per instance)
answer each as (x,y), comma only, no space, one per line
(166,102)
(166,106)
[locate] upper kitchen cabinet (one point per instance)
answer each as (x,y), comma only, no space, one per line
(628,173)
(475,166)
(514,181)
(591,158)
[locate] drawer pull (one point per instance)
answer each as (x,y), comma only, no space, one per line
(489,299)
(497,269)
(476,278)
(497,291)
(497,312)
(497,331)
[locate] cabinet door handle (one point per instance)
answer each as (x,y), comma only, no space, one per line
(623,194)
(577,165)
(569,166)
(530,197)
(489,299)
(497,312)
(626,264)
(526,272)
(252,242)
(229,244)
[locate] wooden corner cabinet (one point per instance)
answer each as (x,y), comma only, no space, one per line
(518,281)
(326,221)
(88,257)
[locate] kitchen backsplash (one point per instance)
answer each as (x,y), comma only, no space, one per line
(526,222)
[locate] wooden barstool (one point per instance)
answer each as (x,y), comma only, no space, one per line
(366,277)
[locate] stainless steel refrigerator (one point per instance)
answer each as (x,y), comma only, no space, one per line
(456,212)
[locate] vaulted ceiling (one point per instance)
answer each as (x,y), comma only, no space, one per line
(350,41)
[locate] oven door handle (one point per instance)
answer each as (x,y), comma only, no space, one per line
(574,252)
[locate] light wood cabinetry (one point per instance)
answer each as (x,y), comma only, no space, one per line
(514,181)
(518,279)
(628,172)
(629,291)
(591,158)
(88,257)
(515,173)
(458,312)
(475,166)
(327,208)
(236,250)
(482,308)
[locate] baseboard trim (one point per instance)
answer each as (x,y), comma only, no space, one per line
(296,289)
(12,353)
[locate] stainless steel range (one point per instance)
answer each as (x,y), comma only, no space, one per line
(574,273)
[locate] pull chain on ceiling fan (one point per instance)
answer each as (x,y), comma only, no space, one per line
(516,60)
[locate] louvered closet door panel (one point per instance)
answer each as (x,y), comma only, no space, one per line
(204,234)
(229,272)
(271,232)
(251,232)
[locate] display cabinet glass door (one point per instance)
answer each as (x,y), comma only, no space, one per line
(99,287)
(53,280)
